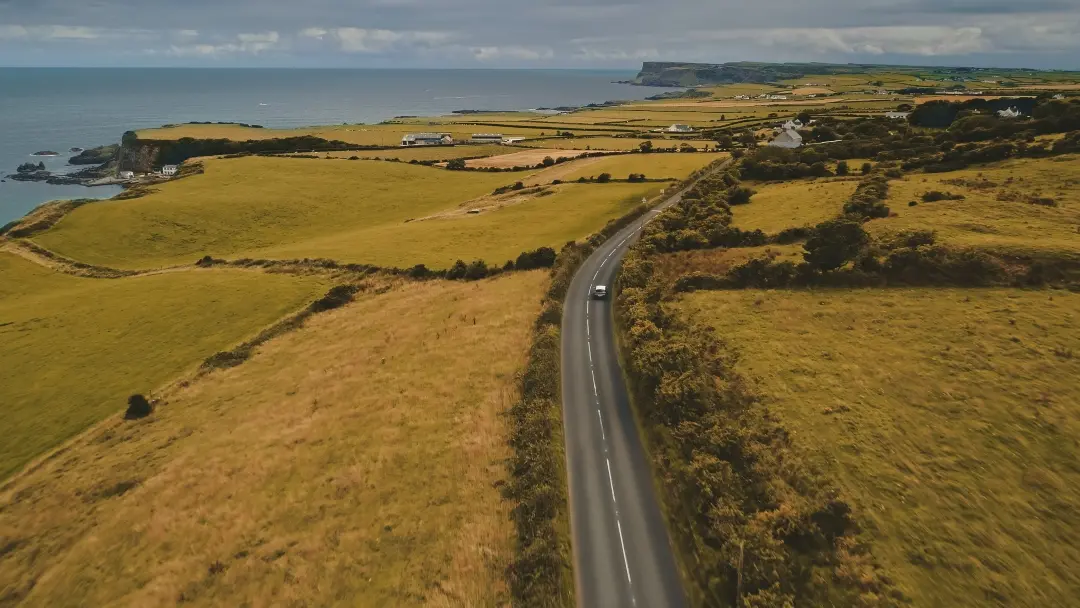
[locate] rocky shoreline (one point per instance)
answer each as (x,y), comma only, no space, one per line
(102,173)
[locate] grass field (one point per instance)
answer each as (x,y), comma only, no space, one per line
(792,204)
(997,212)
(947,417)
(359,212)
(74,349)
(612,143)
(356,461)
(654,166)
(502,228)
(361,135)
(718,261)
(424,153)
(522,158)
(248,204)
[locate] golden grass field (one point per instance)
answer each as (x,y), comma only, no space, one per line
(361,135)
(522,158)
(676,166)
(75,348)
(792,204)
(361,212)
(718,261)
(947,417)
(612,143)
(996,213)
(356,461)
(425,153)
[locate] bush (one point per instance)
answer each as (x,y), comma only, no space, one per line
(739,195)
(603,178)
(636,177)
(517,186)
(867,201)
(457,271)
(476,270)
(867,168)
(842,168)
(543,257)
(138,407)
(337,297)
(457,164)
(834,243)
(934,196)
(548,161)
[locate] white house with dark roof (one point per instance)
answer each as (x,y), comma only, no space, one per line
(680,129)
(789,139)
(1010,113)
(169,170)
(427,139)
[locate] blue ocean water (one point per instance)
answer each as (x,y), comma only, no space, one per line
(60,108)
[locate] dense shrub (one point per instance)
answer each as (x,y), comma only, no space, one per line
(868,200)
(603,178)
(739,195)
(457,164)
(934,196)
(543,257)
(338,296)
(835,243)
(138,407)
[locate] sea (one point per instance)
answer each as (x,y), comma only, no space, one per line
(56,109)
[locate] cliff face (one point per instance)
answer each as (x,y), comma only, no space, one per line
(671,74)
(139,156)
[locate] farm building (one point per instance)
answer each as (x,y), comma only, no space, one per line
(897,115)
(486,138)
(127,175)
(680,129)
(509,141)
(789,139)
(427,139)
(169,170)
(1010,113)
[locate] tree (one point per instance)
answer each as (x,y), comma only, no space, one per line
(835,243)
(747,139)
(476,270)
(724,142)
(603,178)
(457,271)
(739,195)
(138,407)
(517,186)
(867,168)
(548,161)
(457,164)
(804,118)
(842,168)
(645,146)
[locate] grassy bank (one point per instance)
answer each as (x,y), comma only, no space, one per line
(357,460)
(75,349)
(946,418)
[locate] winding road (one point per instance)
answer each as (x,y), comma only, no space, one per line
(622,552)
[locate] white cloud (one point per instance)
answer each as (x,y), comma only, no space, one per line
(313,32)
(251,44)
(9,32)
(361,40)
(496,53)
(187,33)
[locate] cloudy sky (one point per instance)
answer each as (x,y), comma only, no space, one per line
(536,33)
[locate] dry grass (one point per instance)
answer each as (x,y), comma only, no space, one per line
(719,261)
(74,349)
(921,99)
(792,204)
(948,418)
(524,158)
(423,153)
(997,213)
(653,166)
(812,91)
(354,462)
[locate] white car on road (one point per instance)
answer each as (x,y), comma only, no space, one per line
(599,292)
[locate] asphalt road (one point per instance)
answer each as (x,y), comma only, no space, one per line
(622,551)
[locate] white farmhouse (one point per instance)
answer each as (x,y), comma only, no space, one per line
(793,125)
(169,170)
(509,141)
(427,139)
(127,175)
(1059,96)
(789,139)
(680,129)
(486,138)
(1010,113)
(897,115)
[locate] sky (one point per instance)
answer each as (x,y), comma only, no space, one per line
(536,33)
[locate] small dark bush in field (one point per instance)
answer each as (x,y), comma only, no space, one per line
(138,407)
(556,182)
(867,168)
(894,173)
(835,243)
(792,235)
(740,195)
(548,161)
(543,257)
(518,186)
(934,196)
(475,271)
(913,203)
(337,297)
(636,177)
(419,271)
(205,261)
(603,178)
(842,168)
(457,271)
(1043,201)
(457,164)
(354,158)
(582,179)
